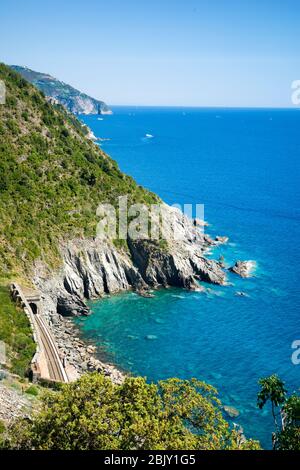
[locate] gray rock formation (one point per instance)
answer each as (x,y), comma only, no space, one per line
(13,404)
(92,268)
(58,92)
(221,240)
(231,411)
(243,268)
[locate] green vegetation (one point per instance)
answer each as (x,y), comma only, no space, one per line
(32,390)
(93,413)
(52,178)
(16,333)
(285,412)
(2,427)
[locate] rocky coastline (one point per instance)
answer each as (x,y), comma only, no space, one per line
(93,268)
(78,356)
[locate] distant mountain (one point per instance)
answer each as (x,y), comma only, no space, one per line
(59,92)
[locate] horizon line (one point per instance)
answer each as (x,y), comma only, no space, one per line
(203,106)
(159,105)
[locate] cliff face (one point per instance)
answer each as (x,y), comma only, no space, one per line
(93,267)
(59,92)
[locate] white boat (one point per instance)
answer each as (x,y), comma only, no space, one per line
(149,136)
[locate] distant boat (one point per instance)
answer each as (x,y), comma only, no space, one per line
(100,119)
(149,136)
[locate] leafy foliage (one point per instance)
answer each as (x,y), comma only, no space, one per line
(32,390)
(16,333)
(52,178)
(288,439)
(287,435)
(93,413)
(272,388)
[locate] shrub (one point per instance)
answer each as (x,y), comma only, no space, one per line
(94,414)
(32,390)
(15,331)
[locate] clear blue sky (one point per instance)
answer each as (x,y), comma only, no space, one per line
(167,52)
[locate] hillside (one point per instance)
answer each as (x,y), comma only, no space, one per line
(52,177)
(72,99)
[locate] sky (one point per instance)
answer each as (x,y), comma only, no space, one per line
(232,53)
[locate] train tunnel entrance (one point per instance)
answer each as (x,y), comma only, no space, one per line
(33,307)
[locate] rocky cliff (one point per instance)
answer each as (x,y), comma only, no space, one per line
(59,92)
(92,267)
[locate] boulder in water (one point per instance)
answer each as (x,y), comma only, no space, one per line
(221,240)
(231,411)
(243,268)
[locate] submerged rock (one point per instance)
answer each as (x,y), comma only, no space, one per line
(241,294)
(221,240)
(231,411)
(151,337)
(216,375)
(145,293)
(243,268)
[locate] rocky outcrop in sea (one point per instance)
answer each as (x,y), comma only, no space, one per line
(243,268)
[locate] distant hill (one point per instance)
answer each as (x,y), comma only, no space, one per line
(59,92)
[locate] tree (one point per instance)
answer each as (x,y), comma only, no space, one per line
(93,414)
(287,435)
(291,409)
(272,388)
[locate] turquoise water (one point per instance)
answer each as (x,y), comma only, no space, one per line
(244,166)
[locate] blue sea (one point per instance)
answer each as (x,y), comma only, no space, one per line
(243,165)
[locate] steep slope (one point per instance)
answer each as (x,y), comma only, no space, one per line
(52,177)
(73,100)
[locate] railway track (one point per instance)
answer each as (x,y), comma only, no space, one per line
(47,357)
(55,367)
